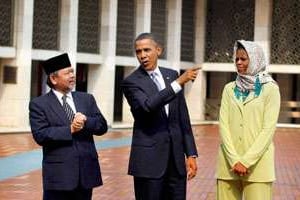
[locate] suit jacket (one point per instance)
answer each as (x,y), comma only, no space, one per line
(68,160)
(154,132)
(247,129)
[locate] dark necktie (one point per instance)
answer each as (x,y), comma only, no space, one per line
(69,112)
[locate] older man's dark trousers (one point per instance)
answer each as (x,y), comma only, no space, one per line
(77,194)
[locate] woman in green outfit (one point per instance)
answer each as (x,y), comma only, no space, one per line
(248,115)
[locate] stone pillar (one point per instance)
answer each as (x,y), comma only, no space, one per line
(14,112)
(143,16)
(174,33)
(263,25)
(68,29)
(196,91)
(102,77)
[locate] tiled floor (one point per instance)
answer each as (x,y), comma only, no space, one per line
(118,185)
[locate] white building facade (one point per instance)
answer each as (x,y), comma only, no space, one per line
(98,36)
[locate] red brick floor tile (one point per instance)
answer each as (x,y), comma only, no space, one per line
(119,186)
(16,143)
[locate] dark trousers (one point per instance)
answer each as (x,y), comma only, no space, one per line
(76,194)
(171,186)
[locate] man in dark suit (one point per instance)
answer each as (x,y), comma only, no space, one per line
(63,123)
(163,152)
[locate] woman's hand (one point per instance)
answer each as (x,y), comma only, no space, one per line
(240,169)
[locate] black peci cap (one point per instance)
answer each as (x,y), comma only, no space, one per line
(56,63)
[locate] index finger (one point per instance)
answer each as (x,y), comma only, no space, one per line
(196,68)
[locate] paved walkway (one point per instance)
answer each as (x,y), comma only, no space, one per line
(20,161)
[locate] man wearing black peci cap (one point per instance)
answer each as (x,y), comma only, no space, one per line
(63,123)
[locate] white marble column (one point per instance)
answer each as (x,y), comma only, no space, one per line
(174,33)
(15,97)
(68,29)
(196,91)
(263,25)
(102,77)
(143,16)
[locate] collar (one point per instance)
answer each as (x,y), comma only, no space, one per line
(156,70)
(59,95)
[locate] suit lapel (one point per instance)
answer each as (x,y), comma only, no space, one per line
(241,104)
(146,82)
(57,107)
(237,102)
(149,86)
(167,78)
(77,103)
(249,98)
